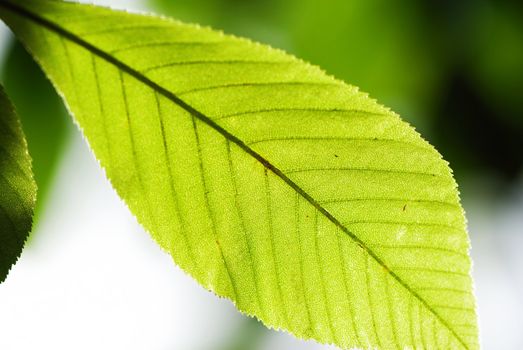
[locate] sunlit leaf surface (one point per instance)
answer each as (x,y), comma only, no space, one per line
(273,184)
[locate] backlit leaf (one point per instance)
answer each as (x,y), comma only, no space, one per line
(273,184)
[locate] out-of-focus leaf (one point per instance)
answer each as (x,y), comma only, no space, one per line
(496,53)
(249,336)
(45,120)
(17,187)
(257,19)
(379,45)
(480,98)
(273,184)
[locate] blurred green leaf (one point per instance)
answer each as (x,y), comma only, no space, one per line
(248,336)
(258,19)
(274,185)
(477,118)
(45,120)
(17,187)
(496,53)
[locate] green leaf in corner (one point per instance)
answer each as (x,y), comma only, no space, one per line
(293,194)
(17,187)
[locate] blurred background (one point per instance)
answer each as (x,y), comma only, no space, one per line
(91,278)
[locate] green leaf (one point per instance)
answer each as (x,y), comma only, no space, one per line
(17,187)
(291,193)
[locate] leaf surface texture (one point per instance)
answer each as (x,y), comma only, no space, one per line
(273,184)
(17,187)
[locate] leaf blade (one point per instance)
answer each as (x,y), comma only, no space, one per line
(17,187)
(368,135)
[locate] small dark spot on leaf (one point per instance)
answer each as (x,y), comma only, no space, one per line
(336,155)
(404,207)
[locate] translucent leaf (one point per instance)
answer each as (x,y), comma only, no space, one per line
(273,184)
(17,187)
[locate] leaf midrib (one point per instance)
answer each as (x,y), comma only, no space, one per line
(24,12)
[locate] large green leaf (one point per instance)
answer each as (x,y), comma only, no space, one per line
(291,193)
(17,187)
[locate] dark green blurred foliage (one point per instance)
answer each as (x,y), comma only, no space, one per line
(478,120)
(498,47)
(43,116)
(249,336)
(259,20)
